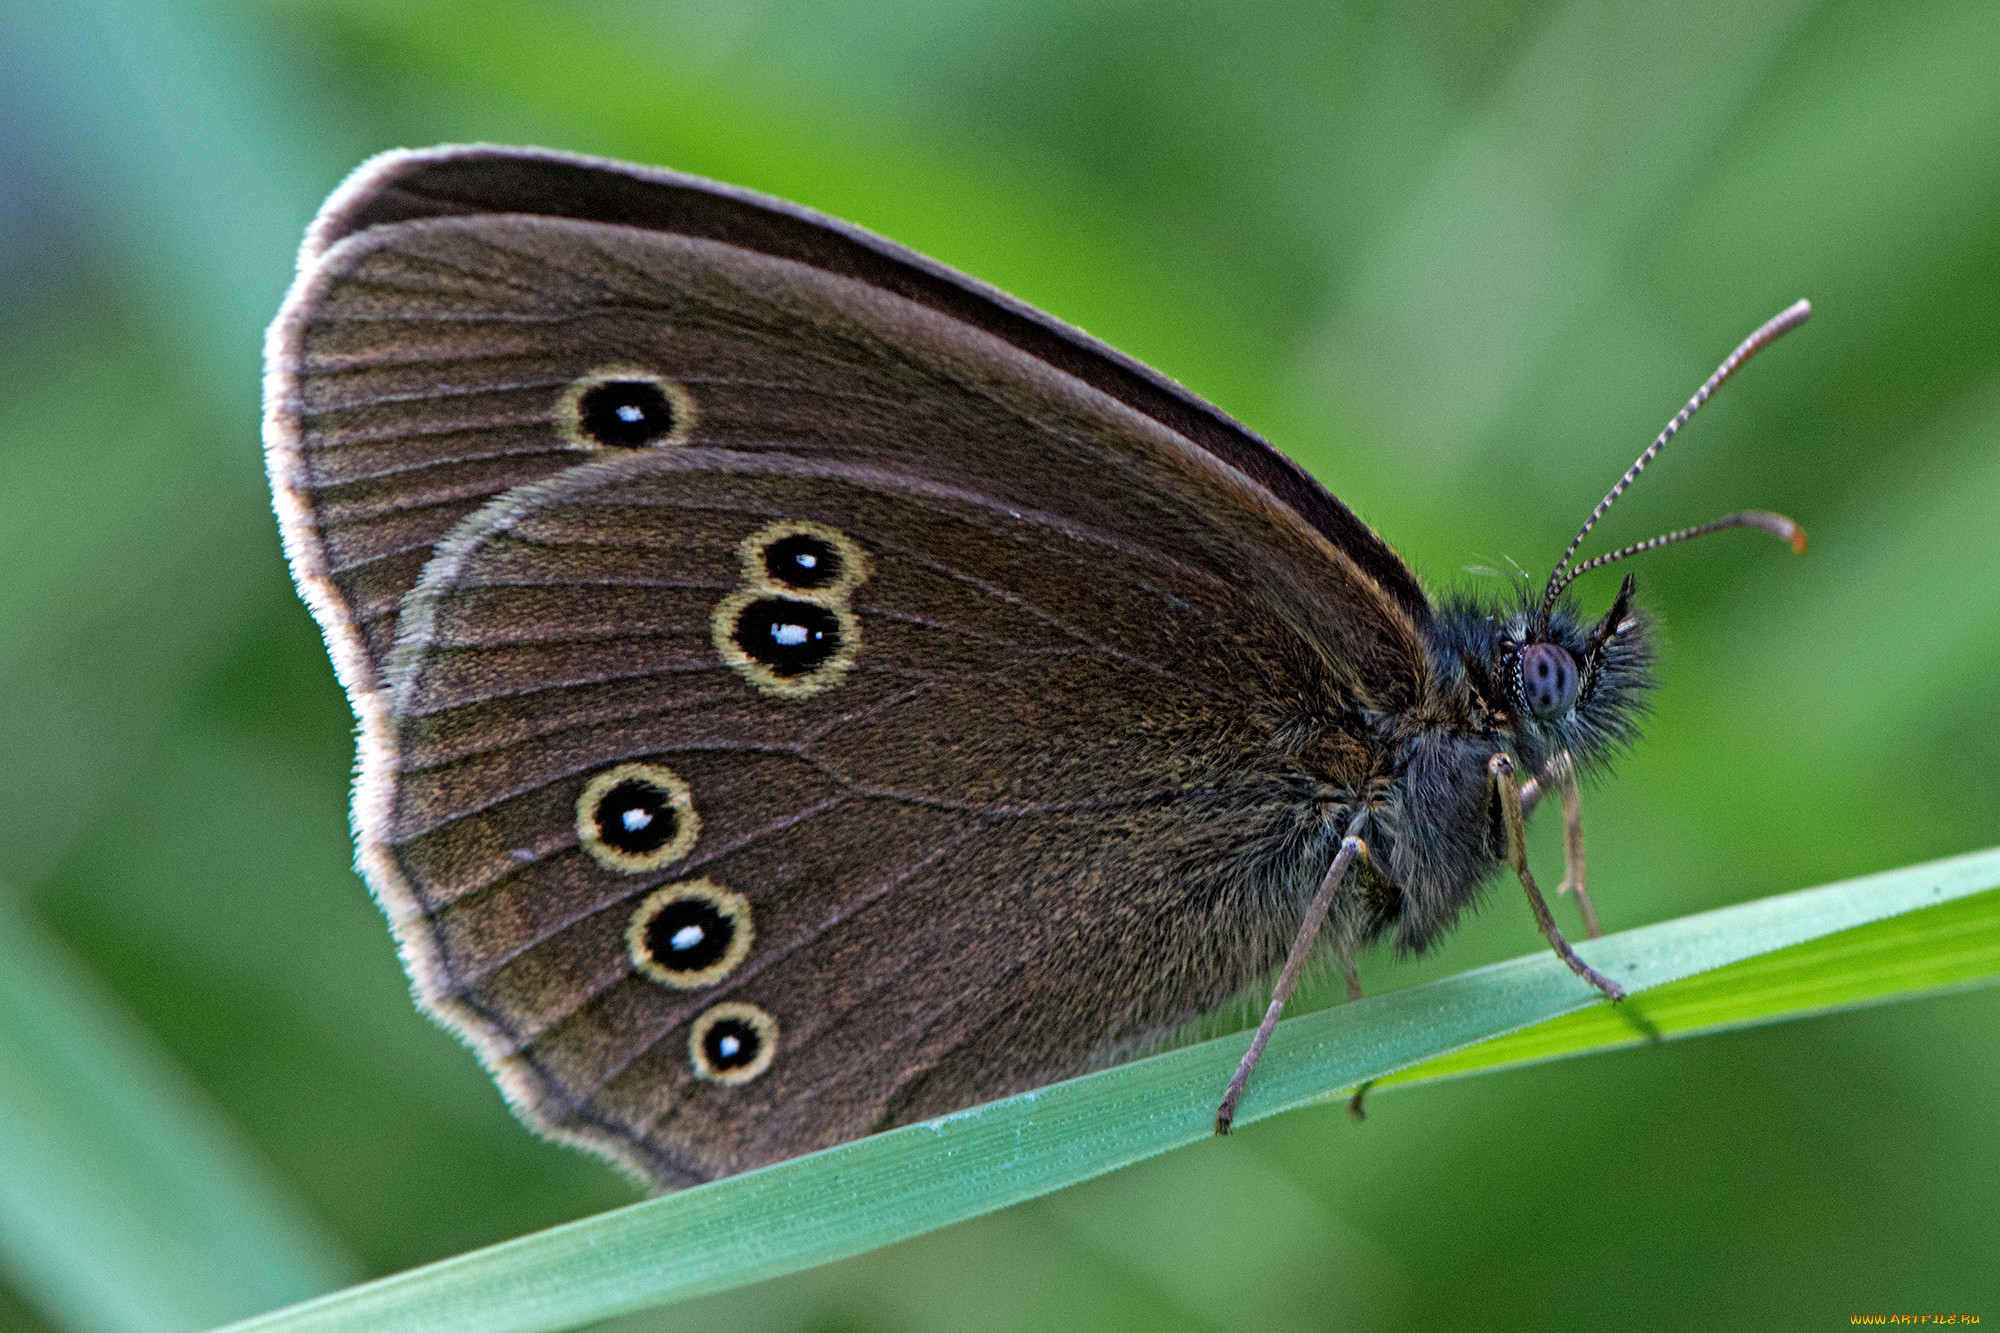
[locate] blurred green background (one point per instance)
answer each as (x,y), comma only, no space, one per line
(1460,259)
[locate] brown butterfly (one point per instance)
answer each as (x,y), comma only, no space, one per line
(804,690)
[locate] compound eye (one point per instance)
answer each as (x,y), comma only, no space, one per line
(1548,680)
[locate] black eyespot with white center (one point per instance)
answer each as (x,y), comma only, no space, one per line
(636,817)
(802,560)
(799,555)
(628,414)
(790,628)
(786,636)
(1548,680)
(732,1043)
(624,407)
(689,934)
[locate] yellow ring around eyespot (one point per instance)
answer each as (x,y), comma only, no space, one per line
(854,563)
(765,1026)
(722,626)
(734,907)
(687,825)
(569,409)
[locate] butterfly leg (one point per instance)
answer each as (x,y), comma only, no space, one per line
(1572,880)
(1348,971)
(1288,980)
(1500,770)
(1561,774)
(1353,977)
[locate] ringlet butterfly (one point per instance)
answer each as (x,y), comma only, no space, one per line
(804,690)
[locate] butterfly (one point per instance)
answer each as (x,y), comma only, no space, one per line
(803,690)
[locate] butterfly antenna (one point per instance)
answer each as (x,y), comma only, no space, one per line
(1777,524)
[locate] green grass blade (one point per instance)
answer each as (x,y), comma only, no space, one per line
(1942,948)
(125,1203)
(892,1186)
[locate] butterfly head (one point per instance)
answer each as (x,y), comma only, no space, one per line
(1550,681)
(1567,685)
(1570,683)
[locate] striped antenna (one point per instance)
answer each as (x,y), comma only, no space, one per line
(1561,576)
(1763,520)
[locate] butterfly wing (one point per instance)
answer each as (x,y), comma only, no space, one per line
(355,400)
(981,720)
(1016,826)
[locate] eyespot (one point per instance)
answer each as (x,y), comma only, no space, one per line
(689,934)
(732,1043)
(1547,680)
(623,407)
(788,646)
(790,638)
(802,561)
(636,817)
(794,555)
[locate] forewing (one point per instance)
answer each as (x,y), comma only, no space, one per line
(479,179)
(421,368)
